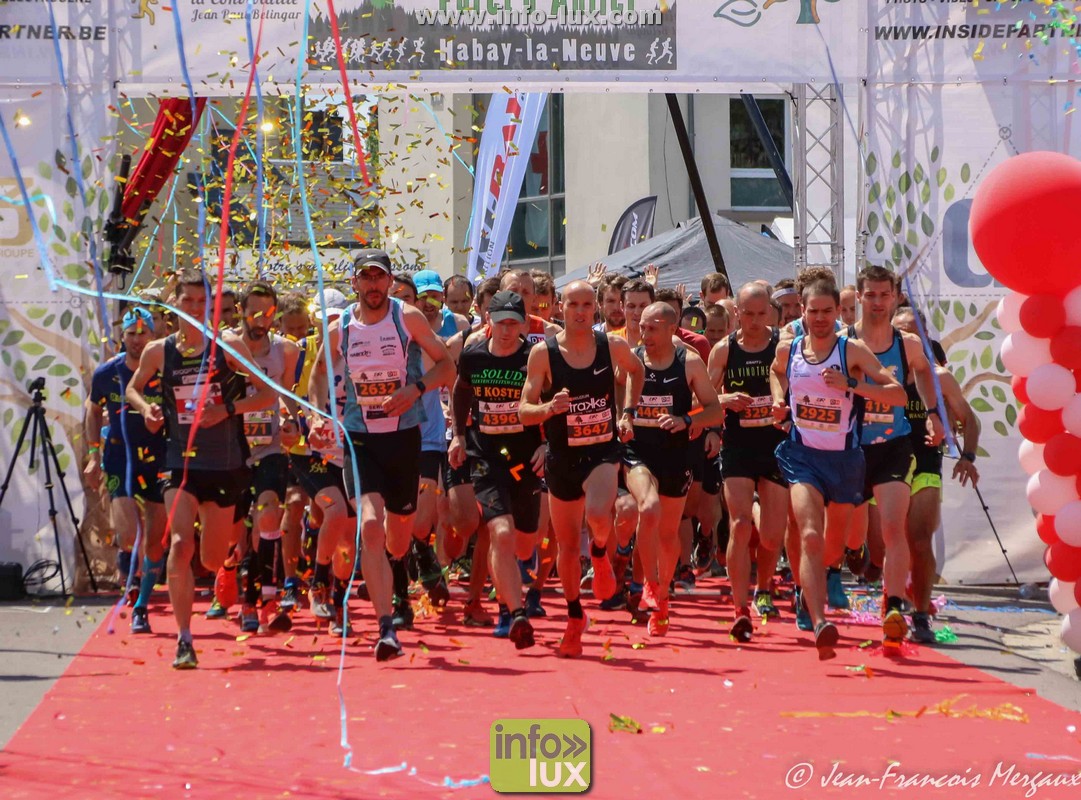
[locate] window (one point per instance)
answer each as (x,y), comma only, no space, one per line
(753,182)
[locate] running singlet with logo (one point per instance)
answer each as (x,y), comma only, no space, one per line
(263,428)
(749,373)
(883,422)
(823,418)
(916,412)
(127,434)
(590,423)
(495,429)
(184,379)
(379,360)
(663,392)
(536,333)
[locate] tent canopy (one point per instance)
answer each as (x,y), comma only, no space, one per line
(682,256)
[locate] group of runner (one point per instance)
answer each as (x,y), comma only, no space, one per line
(585,431)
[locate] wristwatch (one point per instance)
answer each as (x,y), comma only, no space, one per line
(421,387)
(687,420)
(630,412)
(852,382)
(934,411)
(230,409)
(969,456)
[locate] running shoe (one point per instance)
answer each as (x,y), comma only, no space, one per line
(185,656)
(216,610)
(521,633)
(702,552)
(362,592)
(133,594)
(291,595)
(894,627)
(803,616)
(856,560)
(826,638)
(388,646)
(528,569)
(835,592)
(685,577)
(274,617)
(649,594)
(140,620)
(658,620)
(502,627)
(403,615)
(922,631)
(742,628)
(319,600)
(571,645)
(475,616)
(430,573)
(587,579)
(615,602)
(716,570)
(604,579)
(339,626)
(533,607)
(763,605)
(225,587)
(249,619)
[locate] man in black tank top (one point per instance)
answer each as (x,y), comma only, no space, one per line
(739,367)
(658,470)
(206,462)
(570,388)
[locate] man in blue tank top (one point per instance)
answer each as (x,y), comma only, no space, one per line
(816,381)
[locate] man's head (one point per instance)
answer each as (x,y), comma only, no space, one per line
(848,304)
(636,295)
(579,306)
(788,301)
(507,316)
(156,306)
(719,323)
(904,320)
(402,288)
(487,288)
(658,326)
(544,297)
(138,327)
(429,294)
(258,308)
(877,290)
(191,293)
(715,287)
(808,275)
(693,319)
(754,309)
(294,319)
(671,296)
(458,293)
(228,308)
(821,304)
(520,282)
(372,278)
(610,297)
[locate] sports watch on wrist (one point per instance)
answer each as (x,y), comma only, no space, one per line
(421,387)
(852,382)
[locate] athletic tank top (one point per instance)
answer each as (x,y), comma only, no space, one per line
(749,373)
(882,422)
(449,326)
(263,428)
(380,359)
(589,426)
(183,379)
(495,429)
(823,418)
(335,455)
(663,392)
(916,412)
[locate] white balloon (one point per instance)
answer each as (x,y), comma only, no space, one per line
(1061,594)
(1072,304)
(1021,353)
(1030,455)
(1068,523)
(1008,312)
(1071,630)
(1050,387)
(1071,415)
(1048,492)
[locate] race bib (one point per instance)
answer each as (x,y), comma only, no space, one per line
(759,414)
(820,414)
(585,429)
(650,410)
(499,417)
(874,411)
(372,387)
(259,427)
(187,399)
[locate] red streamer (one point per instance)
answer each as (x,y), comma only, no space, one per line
(348,96)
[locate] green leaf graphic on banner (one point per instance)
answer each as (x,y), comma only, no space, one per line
(1011,414)
(37,312)
(77,327)
(872,222)
(966,172)
(891,196)
(925,192)
(20,371)
(13,338)
(897,252)
(917,173)
(959,311)
(43,363)
(897,159)
(45,171)
(1000,429)
(910,211)
(999,394)
(935,152)
(959,373)
(880,244)
(904,182)
(940,176)
(981,405)
(948,194)
(872,164)
(32,348)
(65,320)
(913,239)
(938,320)
(958,355)
(898,224)
(926,224)
(876,190)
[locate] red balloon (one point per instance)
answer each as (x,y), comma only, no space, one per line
(1045,529)
(1038,425)
(1019,384)
(1066,347)
(1062,454)
(1039,185)
(1063,561)
(1042,315)
(1077,592)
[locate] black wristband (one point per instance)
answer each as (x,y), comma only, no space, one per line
(687,420)
(230,409)
(934,411)
(852,382)
(969,456)
(421,387)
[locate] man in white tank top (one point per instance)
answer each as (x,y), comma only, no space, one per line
(814,381)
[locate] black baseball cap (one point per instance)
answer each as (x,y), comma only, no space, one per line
(506,305)
(372,258)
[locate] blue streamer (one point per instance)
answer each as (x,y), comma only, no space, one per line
(33,198)
(39,240)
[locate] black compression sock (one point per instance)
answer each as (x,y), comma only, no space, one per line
(401,577)
(893,603)
(339,593)
(251,589)
(269,558)
(518,613)
(598,551)
(322,574)
(574,609)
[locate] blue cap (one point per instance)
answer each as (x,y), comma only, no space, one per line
(428,280)
(133,316)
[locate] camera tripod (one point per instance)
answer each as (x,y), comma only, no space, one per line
(38,426)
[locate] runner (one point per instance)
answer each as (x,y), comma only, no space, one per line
(925,510)
(739,367)
(129,459)
(206,469)
(787,298)
(570,388)
(382,341)
(848,305)
(507,458)
(815,380)
(657,458)
(610,300)
(460,295)
(715,288)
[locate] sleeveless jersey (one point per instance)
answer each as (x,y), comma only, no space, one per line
(916,412)
(495,429)
(380,359)
(749,373)
(663,392)
(263,428)
(589,426)
(183,378)
(882,422)
(823,418)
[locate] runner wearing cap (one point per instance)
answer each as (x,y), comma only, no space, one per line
(129,458)
(382,341)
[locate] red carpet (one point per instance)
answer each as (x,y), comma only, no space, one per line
(260,717)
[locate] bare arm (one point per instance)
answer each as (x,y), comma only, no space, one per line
(634,371)
(925,385)
(531,410)
(778,381)
(961,411)
(92,431)
(698,377)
